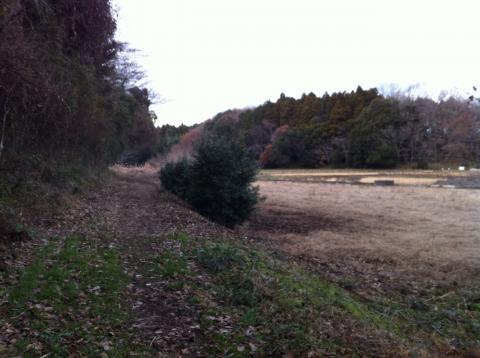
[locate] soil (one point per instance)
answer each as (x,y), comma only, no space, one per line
(139,216)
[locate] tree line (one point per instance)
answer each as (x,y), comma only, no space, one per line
(357,129)
(68,92)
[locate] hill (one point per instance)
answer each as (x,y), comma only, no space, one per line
(358,129)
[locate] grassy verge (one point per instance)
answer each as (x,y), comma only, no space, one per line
(69,303)
(448,320)
(250,303)
(39,183)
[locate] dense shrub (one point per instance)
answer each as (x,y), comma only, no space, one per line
(422,164)
(217,182)
(175,177)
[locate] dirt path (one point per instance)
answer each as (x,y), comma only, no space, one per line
(139,216)
(129,212)
(134,206)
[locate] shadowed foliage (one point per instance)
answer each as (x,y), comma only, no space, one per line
(61,99)
(216,182)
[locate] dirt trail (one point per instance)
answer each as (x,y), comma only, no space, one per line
(134,206)
(130,212)
(139,216)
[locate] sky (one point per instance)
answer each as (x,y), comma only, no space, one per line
(204,57)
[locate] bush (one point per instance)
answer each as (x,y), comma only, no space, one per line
(216,182)
(175,177)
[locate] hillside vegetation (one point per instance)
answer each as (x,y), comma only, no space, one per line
(358,129)
(68,93)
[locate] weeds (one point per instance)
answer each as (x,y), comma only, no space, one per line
(265,307)
(249,303)
(170,266)
(218,257)
(69,303)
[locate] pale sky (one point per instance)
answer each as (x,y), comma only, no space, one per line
(204,57)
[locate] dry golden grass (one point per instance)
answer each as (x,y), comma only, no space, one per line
(144,170)
(401,177)
(400,180)
(416,227)
(360,172)
(316,173)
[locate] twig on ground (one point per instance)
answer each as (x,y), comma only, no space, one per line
(440,297)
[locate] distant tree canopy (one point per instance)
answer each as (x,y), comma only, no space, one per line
(168,136)
(360,129)
(64,94)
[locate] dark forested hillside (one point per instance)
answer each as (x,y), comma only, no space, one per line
(65,96)
(360,129)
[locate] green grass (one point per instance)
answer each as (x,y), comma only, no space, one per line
(255,304)
(69,302)
(447,317)
(250,303)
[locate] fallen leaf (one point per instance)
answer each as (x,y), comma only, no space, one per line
(106,345)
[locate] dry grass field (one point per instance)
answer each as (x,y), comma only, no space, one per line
(405,231)
(401,177)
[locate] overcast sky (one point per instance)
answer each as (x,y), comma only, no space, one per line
(204,57)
